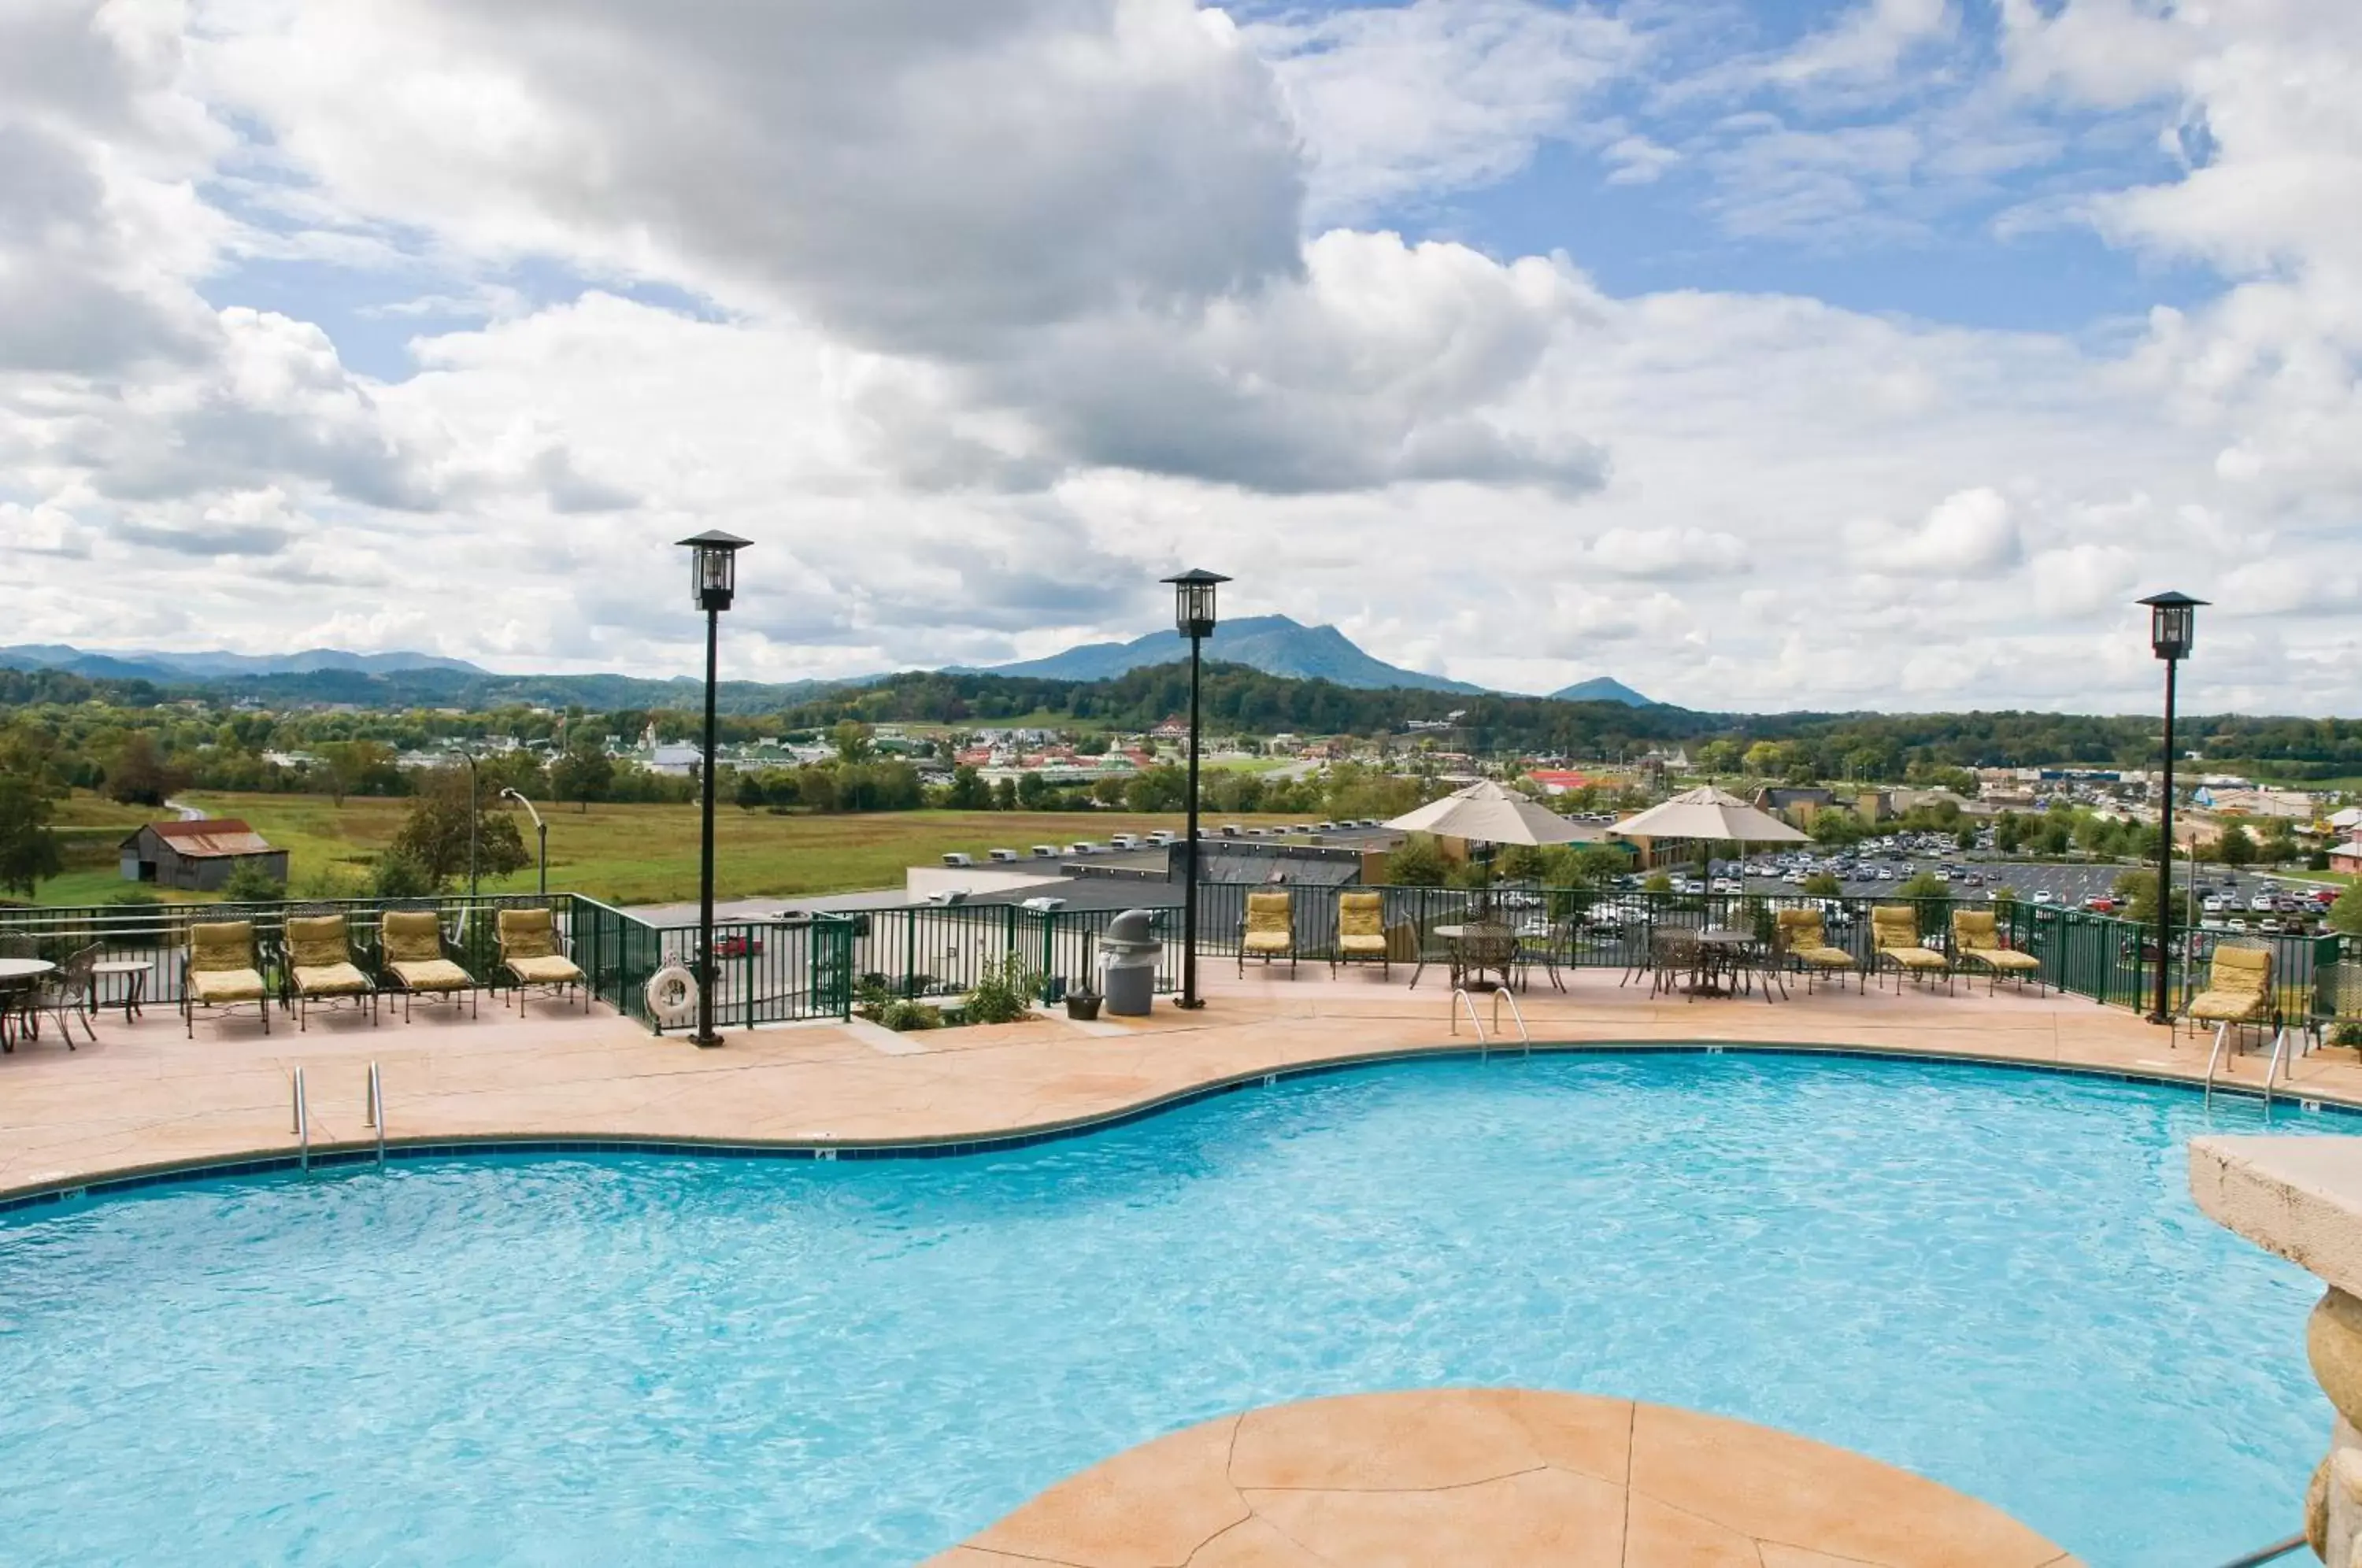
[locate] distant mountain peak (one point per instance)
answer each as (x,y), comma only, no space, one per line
(1604,688)
(151,663)
(1275,644)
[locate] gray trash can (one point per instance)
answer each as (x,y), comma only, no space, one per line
(1128,952)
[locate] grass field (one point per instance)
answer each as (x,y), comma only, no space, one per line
(621,854)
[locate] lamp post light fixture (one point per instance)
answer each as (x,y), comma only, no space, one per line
(541,830)
(713,581)
(1193,617)
(2172,628)
(475,809)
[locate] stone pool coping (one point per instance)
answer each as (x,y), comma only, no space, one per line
(146,1106)
(1506,1476)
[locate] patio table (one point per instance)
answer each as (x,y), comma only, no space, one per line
(1726,951)
(1455,936)
(18,976)
(134,975)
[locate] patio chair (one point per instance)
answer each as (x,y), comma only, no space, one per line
(1484,946)
(1977,945)
(320,968)
(2239,988)
(223,972)
(1269,932)
(1894,942)
(1676,959)
(17,997)
(68,993)
(1362,932)
(418,961)
(529,952)
(1808,947)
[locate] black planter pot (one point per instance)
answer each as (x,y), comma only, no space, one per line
(1083,1005)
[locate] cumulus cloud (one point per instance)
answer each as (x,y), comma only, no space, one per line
(1969,532)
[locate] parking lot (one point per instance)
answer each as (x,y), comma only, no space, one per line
(2070,884)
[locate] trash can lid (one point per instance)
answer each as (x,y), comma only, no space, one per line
(1130,929)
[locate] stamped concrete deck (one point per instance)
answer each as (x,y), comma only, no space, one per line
(1497,1478)
(144,1098)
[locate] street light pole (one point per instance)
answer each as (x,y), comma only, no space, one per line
(475,808)
(2173,619)
(541,830)
(713,575)
(1193,603)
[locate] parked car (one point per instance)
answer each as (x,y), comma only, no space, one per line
(738,946)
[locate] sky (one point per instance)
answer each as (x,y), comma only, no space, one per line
(1763,354)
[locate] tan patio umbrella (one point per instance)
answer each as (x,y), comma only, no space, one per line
(1485,814)
(1710,815)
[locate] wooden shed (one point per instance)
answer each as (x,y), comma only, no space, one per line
(197,856)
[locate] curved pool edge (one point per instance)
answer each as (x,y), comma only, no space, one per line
(1496,1474)
(105,1181)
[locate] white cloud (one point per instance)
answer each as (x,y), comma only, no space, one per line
(1970,533)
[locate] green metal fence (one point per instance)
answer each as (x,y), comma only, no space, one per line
(770,971)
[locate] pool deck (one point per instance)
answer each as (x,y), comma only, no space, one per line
(145,1098)
(1497,1478)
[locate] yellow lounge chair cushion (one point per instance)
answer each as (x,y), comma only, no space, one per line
(548,969)
(2002,958)
(317,943)
(219,988)
(526,934)
(330,980)
(1913,957)
(1360,914)
(433,974)
(413,936)
(1355,942)
(2229,1007)
(1823,957)
(221,947)
(1269,941)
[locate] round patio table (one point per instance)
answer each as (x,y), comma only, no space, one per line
(18,975)
(133,974)
(1726,947)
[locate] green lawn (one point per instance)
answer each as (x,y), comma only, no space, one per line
(648,854)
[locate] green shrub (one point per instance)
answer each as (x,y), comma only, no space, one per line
(1418,864)
(1004,993)
(249,883)
(903,1016)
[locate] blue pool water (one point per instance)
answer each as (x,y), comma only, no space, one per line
(1995,1278)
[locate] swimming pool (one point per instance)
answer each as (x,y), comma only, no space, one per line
(1994,1277)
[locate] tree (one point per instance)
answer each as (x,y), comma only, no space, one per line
(434,836)
(1924,885)
(139,775)
(1418,864)
(2009,832)
(2137,889)
(251,882)
(749,793)
(1033,791)
(358,767)
(2345,915)
(1966,839)
(852,742)
(1657,882)
(28,849)
(585,773)
(968,791)
(2236,848)
(399,877)
(1824,885)
(1004,794)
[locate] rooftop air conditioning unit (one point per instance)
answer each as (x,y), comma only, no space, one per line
(1045,851)
(957,859)
(1004,854)
(1042,906)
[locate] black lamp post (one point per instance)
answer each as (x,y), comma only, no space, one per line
(475,811)
(713,578)
(1193,616)
(2172,626)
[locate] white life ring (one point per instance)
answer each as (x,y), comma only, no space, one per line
(672,996)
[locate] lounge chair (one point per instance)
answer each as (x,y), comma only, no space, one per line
(221,972)
(1269,932)
(2239,988)
(320,968)
(1895,942)
(1808,942)
(419,963)
(529,954)
(1977,943)
(1362,932)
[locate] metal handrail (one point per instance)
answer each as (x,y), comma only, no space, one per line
(2222,1034)
(1525,1035)
(2279,1549)
(1459,994)
(373,1110)
(303,1128)
(2273,1068)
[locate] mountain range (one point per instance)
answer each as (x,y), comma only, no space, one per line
(1279,644)
(1274,644)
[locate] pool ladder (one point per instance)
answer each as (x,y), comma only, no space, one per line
(2271,1554)
(2280,1049)
(372,1115)
(1461,999)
